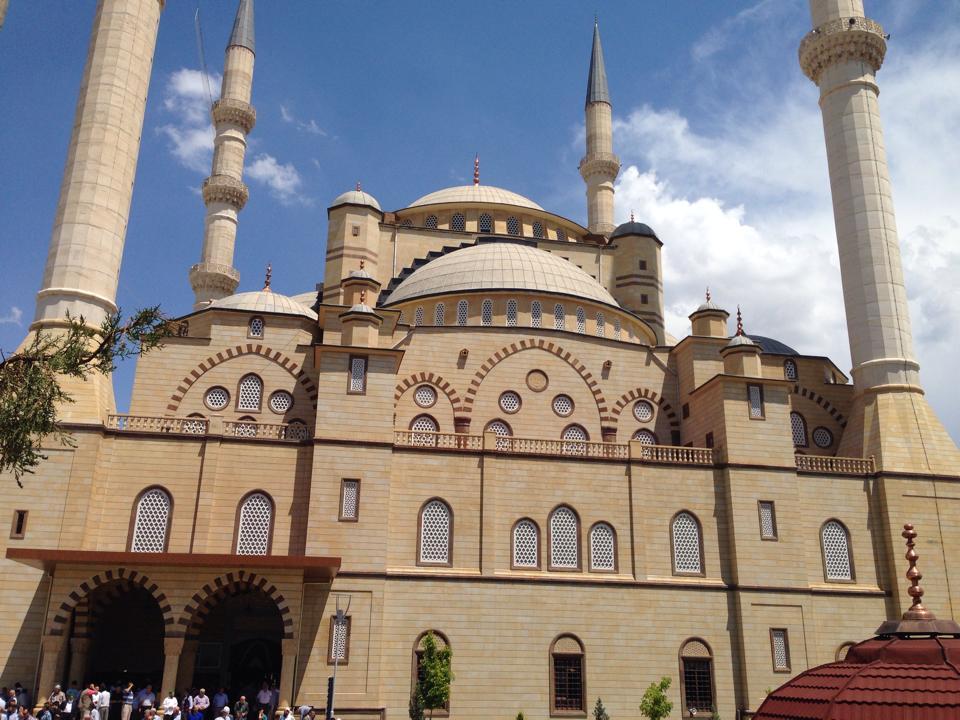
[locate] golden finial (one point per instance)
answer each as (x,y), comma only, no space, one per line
(476,169)
(363,297)
(917,611)
(266,282)
(739,321)
(362,260)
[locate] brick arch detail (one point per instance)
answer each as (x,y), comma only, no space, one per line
(202,602)
(238,351)
(536,344)
(818,399)
(81,593)
(642,393)
(431,379)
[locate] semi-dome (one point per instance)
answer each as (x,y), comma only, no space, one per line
(356,197)
(264,301)
(500,266)
(633,228)
(485,194)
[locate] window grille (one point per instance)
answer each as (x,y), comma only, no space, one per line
(581,321)
(645,437)
(643,411)
(196,426)
(256,327)
(349,499)
(755,395)
(217,398)
(358,374)
(509,401)
(575,438)
(526,552)
(458,223)
(686,544)
(563,405)
(780,649)
(502,431)
(340,631)
(616,328)
(568,683)
(150,525)
(511,313)
(435,533)
(431,222)
(253,536)
(438,313)
(486,313)
(247,427)
(698,683)
(558,317)
(790,370)
(602,550)
(822,437)
(538,229)
(768,520)
(601,325)
(407,222)
(463,309)
(296,430)
(281,401)
(564,539)
(251,391)
(561,235)
(513,226)
(418,316)
(486,223)
(798,426)
(425,396)
(536,314)
(422,427)
(836,551)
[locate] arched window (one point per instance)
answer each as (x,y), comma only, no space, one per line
(458,223)
(194,424)
(574,440)
(644,437)
(561,235)
(687,544)
(538,229)
(296,430)
(246,427)
(581,321)
(798,426)
(696,678)
(418,316)
(567,676)
(250,393)
(511,313)
(486,313)
(558,317)
(255,525)
(790,369)
(603,548)
(564,539)
(536,314)
(837,560)
(463,312)
(438,313)
(526,544)
(513,226)
(486,223)
(151,521)
(601,325)
(407,222)
(501,430)
(616,328)
(436,534)
(255,328)
(431,222)
(422,428)
(418,673)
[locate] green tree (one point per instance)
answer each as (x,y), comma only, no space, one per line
(654,704)
(520,715)
(416,703)
(599,711)
(436,674)
(31,378)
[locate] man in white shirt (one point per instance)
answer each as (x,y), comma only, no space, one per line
(103,703)
(169,705)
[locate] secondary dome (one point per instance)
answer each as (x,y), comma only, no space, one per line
(264,301)
(486,194)
(500,266)
(355,197)
(633,228)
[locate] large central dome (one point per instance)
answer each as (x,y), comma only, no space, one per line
(500,266)
(485,194)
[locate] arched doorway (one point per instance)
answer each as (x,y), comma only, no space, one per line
(239,643)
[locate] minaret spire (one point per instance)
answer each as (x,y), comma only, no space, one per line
(599,166)
(224,193)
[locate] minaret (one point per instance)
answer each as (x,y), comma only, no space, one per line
(224,192)
(890,418)
(599,167)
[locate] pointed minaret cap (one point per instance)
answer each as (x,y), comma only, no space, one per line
(242,35)
(597,90)
(741,339)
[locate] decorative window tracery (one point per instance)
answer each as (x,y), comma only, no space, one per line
(195,424)
(486,313)
(755,396)
(418,316)
(687,550)
(564,539)
(511,313)
(463,311)
(513,226)
(798,427)
(575,440)
(643,411)
(561,235)
(349,499)
(296,430)
(150,524)
(536,314)
(247,427)
(255,328)
(217,398)
(696,676)
(790,370)
(438,313)
(281,401)
(256,519)
(358,374)
(563,405)
(616,328)
(250,393)
(581,321)
(644,437)
(601,325)
(431,222)
(602,548)
(425,396)
(509,401)
(422,428)
(502,431)
(780,649)
(435,533)
(558,317)
(526,541)
(836,551)
(768,520)
(458,223)
(822,437)
(485,223)
(538,229)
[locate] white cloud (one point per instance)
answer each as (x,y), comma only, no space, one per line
(308,126)
(283,180)
(13,317)
(188,96)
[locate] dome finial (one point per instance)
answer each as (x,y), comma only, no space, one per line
(358,186)
(363,296)
(266,281)
(632,218)
(708,293)
(362,261)
(917,611)
(739,321)
(476,169)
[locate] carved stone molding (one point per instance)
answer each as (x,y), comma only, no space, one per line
(842,40)
(235,112)
(213,276)
(223,188)
(603,164)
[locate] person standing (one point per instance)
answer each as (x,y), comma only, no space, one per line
(57,699)
(263,700)
(23,697)
(103,702)
(126,709)
(220,701)
(169,705)
(146,700)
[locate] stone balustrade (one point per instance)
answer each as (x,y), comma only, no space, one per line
(440,440)
(838,465)
(149,424)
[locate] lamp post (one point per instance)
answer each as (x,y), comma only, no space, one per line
(339,626)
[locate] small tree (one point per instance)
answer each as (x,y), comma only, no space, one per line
(655,704)
(520,715)
(436,674)
(416,703)
(599,711)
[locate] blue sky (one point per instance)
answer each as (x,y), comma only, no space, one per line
(718,130)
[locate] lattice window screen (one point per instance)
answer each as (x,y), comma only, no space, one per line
(509,401)
(561,235)
(358,374)
(150,526)
(350,503)
(790,370)
(296,430)
(513,226)
(538,229)
(574,438)
(217,398)
(463,309)
(755,395)
(435,533)
(195,427)
(281,401)
(438,313)
(798,427)
(564,552)
(686,544)
(422,426)
(601,325)
(418,316)
(525,544)
(458,223)
(558,317)
(486,223)
(502,431)
(581,321)
(645,437)
(431,222)
(602,553)
(768,524)
(511,313)
(836,551)
(616,328)
(486,312)
(822,437)
(563,405)
(643,411)
(780,649)
(536,314)
(338,648)
(253,537)
(251,392)
(425,396)
(256,327)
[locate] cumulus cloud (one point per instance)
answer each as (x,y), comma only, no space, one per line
(12,317)
(308,126)
(282,179)
(187,97)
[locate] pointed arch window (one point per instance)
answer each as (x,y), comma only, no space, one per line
(486,313)
(526,544)
(255,525)
(431,222)
(790,369)
(255,328)
(436,533)
(151,521)
(559,317)
(603,548)
(511,313)
(438,313)
(458,223)
(564,539)
(687,544)
(835,543)
(536,314)
(601,325)
(485,223)
(463,312)
(250,393)
(798,427)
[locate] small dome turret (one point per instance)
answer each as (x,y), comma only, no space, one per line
(356,197)
(634,228)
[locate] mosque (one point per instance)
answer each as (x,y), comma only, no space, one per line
(475,424)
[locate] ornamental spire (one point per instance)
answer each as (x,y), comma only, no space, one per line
(358,186)
(266,281)
(597,90)
(242,35)
(739,317)
(917,611)
(708,293)
(476,169)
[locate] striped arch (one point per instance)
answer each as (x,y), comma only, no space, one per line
(646,394)
(237,351)
(79,598)
(536,344)
(427,377)
(202,602)
(821,401)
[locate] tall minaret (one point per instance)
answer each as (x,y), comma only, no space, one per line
(599,167)
(224,193)
(891,418)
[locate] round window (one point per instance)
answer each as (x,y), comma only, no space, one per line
(537,380)
(563,405)
(643,411)
(281,401)
(216,398)
(425,396)
(822,437)
(509,401)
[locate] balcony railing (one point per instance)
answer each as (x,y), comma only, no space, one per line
(569,448)
(677,455)
(143,423)
(443,441)
(842,465)
(290,432)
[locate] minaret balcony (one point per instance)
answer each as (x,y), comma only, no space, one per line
(847,39)
(235,112)
(225,189)
(606,165)
(214,276)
